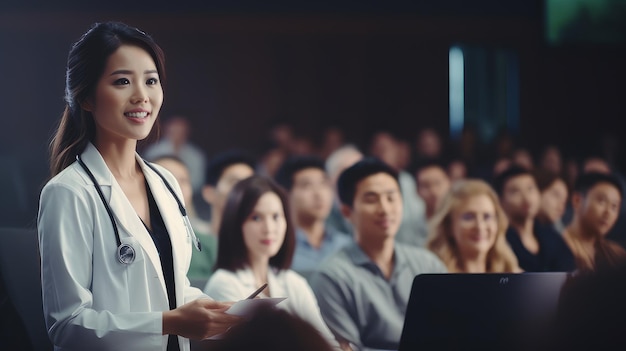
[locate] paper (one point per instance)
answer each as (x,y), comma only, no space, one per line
(245,308)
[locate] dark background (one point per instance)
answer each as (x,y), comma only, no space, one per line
(234,67)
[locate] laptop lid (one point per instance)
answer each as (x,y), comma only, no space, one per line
(480,311)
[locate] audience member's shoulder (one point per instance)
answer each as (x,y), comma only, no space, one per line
(413,250)
(337,264)
(220,276)
(421,258)
(291,276)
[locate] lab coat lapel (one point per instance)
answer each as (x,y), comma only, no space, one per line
(173,219)
(127,219)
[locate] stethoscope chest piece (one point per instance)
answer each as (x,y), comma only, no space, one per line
(125,254)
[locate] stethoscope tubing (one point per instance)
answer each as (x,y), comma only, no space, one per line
(125,252)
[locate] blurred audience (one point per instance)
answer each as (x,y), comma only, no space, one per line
(202,262)
(538,248)
(596,200)
(384,146)
(500,165)
(433,183)
(595,164)
(333,138)
(468,231)
(364,289)
(223,172)
(523,158)
(428,144)
(175,141)
(551,160)
(270,160)
(457,170)
(554,194)
(598,164)
(282,135)
(336,163)
(310,199)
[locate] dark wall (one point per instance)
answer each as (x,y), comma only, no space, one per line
(232,74)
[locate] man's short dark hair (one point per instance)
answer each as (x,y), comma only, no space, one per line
(285,174)
(428,163)
(499,182)
(221,161)
(586,181)
(349,178)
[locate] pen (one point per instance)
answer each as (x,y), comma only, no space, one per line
(258,291)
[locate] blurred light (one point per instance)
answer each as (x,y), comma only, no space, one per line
(457,91)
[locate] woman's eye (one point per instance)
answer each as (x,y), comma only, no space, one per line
(152,81)
(121,81)
(276,216)
(467,216)
(255,218)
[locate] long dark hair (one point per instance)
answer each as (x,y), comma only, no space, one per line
(232,252)
(85,64)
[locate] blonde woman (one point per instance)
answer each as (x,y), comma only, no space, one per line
(468,231)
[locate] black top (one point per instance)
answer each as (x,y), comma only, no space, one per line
(161,239)
(554,255)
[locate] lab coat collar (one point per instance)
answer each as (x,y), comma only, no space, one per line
(94,161)
(128,221)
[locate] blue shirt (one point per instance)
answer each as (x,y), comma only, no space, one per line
(307,258)
(359,304)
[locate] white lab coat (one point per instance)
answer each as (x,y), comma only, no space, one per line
(91,301)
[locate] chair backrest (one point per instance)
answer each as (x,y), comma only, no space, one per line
(19,265)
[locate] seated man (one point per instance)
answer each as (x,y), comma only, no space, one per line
(363,290)
(336,163)
(310,197)
(596,200)
(433,183)
(538,248)
(222,173)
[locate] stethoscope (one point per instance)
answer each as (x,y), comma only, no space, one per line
(125,252)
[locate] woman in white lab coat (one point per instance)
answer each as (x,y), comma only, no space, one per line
(115,242)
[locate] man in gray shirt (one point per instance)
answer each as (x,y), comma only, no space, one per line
(363,290)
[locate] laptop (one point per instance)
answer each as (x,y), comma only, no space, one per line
(480,311)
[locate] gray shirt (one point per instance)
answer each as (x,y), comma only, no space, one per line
(359,304)
(414,227)
(307,258)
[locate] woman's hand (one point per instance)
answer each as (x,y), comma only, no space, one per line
(199,319)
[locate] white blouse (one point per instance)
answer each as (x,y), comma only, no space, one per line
(226,285)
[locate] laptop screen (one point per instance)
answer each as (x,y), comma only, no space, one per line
(480,311)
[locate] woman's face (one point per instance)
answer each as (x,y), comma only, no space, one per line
(553,200)
(475,226)
(264,229)
(128,96)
